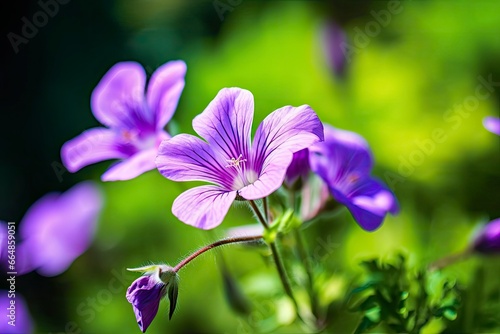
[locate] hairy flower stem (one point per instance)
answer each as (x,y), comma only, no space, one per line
(277,260)
(218,243)
(450,259)
(305,258)
(266,209)
(261,218)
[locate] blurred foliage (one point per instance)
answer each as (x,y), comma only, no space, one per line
(402,301)
(396,91)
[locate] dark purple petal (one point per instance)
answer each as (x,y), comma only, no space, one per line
(342,155)
(118,100)
(368,200)
(226,123)
(344,162)
(299,167)
(132,167)
(282,133)
(488,239)
(164,91)
(21,318)
(145,295)
(188,158)
(92,146)
(203,207)
(492,124)
(59,228)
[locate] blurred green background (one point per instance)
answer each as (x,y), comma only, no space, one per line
(401,83)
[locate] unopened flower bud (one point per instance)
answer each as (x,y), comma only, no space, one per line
(146,292)
(488,239)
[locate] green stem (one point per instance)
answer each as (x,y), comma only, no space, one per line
(277,260)
(261,218)
(266,210)
(304,257)
(218,243)
(281,271)
(448,260)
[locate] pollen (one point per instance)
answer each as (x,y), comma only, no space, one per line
(236,162)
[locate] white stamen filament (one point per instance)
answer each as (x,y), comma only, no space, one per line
(245,176)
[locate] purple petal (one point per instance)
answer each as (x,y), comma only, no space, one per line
(164,91)
(203,207)
(22,319)
(132,167)
(282,133)
(226,123)
(343,154)
(315,194)
(118,100)
(245,230)
(488,239)
(271,176)
(492,124)
(368,201)
(145,295)
(3,244)
(92,146)
(59,228)
(188,158)
(299,167)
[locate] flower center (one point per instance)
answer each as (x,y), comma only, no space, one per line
(137,142)
(236,162)
(244,175)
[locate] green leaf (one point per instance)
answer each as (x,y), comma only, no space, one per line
(364,325)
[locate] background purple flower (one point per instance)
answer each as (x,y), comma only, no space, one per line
(492,124)
(335,47)
(135,119)
(57,229)
(3,244)
(488,239)
(229,160)
(344,161)
(23,322)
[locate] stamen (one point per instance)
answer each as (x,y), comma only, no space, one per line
(353,177)
(236,162)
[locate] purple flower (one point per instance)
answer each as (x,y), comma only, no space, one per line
(492,124)
(488,239)
(57,229)
(15,315)
(344,161)
(227,159)
(334,45)
(146,292)
(3,244)
(135,120)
